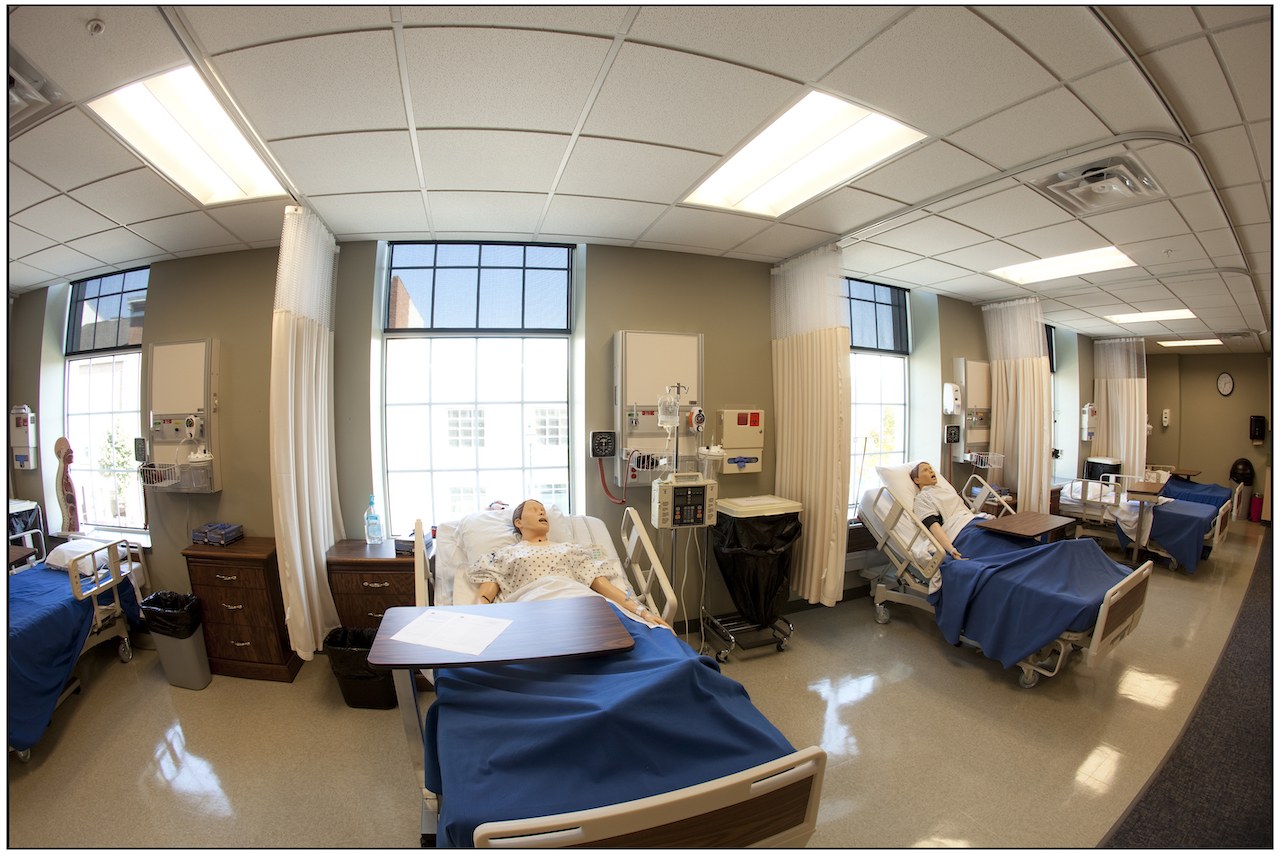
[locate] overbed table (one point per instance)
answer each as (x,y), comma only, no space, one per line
(557,628)
(1042,527)
(1144,492)
(1185,474)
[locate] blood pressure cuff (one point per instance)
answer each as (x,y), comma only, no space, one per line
(929,520)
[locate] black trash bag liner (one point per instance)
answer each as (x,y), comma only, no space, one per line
(348,651)
(174,615)
(754,556)
(1242,472)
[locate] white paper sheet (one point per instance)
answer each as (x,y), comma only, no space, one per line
(452,630)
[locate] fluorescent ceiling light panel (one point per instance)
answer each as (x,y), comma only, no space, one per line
(819,143)
(1199,342)
(1151,316)
(1075,264)
(175,122)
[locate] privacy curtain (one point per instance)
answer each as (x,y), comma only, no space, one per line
(1120,393)
(304,474)
(1021,400)
(812,402)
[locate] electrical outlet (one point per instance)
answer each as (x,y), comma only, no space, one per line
(952,434)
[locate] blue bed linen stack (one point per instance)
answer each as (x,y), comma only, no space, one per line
(523,740)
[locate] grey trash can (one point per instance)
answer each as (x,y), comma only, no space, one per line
(174,622)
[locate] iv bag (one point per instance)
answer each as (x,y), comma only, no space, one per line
(668,410)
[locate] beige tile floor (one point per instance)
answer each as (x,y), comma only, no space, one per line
(928,744)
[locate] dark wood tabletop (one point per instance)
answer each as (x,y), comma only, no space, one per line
(1185,473)
(556,628)
(18,554)
(1027,524)
(1145,490)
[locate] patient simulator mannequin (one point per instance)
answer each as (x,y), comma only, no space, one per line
(933,502)
(535,557)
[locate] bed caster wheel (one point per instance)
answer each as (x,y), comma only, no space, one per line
(882,613)
(722,655)
(1028,679)
(126,651)
(23,755)
(782,644)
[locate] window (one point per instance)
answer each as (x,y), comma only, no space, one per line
(476,396)
(103,397)
(878,330)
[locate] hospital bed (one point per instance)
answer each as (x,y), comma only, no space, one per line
(1204,493)
(1018,602)
(58,613)
(600,751)
(1173,528)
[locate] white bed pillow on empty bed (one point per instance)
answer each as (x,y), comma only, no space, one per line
(62,556)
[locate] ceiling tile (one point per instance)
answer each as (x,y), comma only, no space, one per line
(1164,251)
(1207,298)
(1261,133)
(1248,204)
(709,229)
(26,190)
(671,98)
(1145,27)
(603,217)
(598,20)
(1086,299)
(927,272)
(1010,212)
(184,232)
(924,173)
(253,222)
(481,212)
(463,77)
(1062,239)
(1256,238)
(62,219)
(119,246)
(348,162)
(1066,315)
(1185,326)
(1201,211)
(222,28)
(981,192)
(133,197)
(630,170)
(984,289)
(1122,98)
(317,85)
(1065,38)
(364,213)
(939,68)
(1054,121)
(781,241)
(1192,80)
(1143,292)
(843,211)
(23,241)
(490,160)
(61,261)
(1245,50)
(931,236)
(70,150)
(1218,242)
(993,255)
(25,276)
(1142,222)
(798,41)
(1229,156)
(867,258)
(135,43)
(1175,169)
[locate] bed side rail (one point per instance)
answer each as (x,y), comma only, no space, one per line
(421,576)
(770,805)
(644,570)
(1099,499)
(985,492)
(101,580)
(1119,615)
(893,543)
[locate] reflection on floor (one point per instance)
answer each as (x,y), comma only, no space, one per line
(928,744)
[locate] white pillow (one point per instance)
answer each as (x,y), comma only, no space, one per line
(898,479)
(62,556)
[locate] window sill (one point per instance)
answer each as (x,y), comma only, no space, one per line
(141,538)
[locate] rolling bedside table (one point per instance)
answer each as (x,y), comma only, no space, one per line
(242,609)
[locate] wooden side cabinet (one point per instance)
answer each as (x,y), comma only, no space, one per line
(242,609)
(367,580)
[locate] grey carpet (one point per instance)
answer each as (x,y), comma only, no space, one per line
(1215,789)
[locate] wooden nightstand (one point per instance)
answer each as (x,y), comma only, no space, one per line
(367,580)
(242,609)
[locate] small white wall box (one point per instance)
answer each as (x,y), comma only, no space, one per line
(951,399)
(1088,422)
(22,437)
(741,433)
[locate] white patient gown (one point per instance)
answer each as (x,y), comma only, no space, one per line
(521,563)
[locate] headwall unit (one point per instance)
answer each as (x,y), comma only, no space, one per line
(647,366)
(184,451)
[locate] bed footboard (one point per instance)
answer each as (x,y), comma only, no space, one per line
(770,805)
(1119,615)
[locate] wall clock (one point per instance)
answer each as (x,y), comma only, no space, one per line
(1225,384)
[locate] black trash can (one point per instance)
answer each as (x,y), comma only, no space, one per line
(174,622)
(362,686)
(752,542)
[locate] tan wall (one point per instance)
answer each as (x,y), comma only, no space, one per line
(1215,429)
(1164,391)
(961,334)
(355,316)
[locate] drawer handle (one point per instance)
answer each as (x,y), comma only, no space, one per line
(232,607)
(237,643)
(376,583)
(371,614)
(226,577)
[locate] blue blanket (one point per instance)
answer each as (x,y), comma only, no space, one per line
(1201,493)
(47,630)
(1180,528)
(524,740)
(973,541)
(1015,603)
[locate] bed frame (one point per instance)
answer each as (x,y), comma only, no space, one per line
(773,804)
(1118,615)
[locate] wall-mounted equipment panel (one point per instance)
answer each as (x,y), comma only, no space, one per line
(646,367)
(974,378)
(182,402)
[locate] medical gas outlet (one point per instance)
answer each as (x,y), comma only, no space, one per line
(684,500)
(741,434)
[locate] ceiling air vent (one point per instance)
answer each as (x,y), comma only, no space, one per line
(1104,185)
(32,95)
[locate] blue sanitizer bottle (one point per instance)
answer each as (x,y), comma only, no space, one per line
(372,524)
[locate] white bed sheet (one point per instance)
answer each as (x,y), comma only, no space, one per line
(1125,512)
